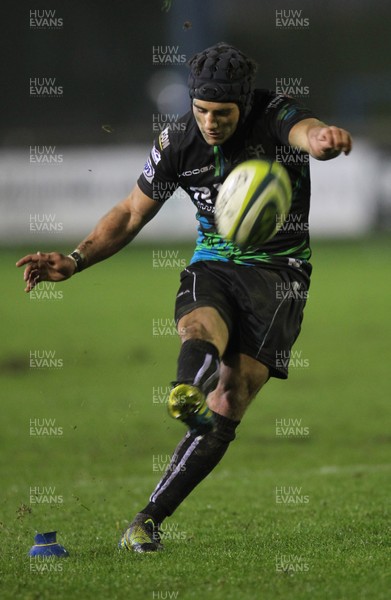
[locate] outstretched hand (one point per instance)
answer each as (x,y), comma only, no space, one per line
(328,142)
(41,266)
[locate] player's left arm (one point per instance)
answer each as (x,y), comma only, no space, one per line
(321,141)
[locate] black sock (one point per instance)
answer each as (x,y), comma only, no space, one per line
(198,364)
(194,458)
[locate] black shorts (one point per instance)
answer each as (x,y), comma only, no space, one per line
(262,306)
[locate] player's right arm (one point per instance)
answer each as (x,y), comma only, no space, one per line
(114,231)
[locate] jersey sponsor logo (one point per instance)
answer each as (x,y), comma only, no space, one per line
(149,171)
(204,193)
(164,140)
(204,197)
(197,171)
(156,156)
(276,101)
(206,208)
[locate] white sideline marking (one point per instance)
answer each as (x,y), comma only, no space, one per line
(336,469)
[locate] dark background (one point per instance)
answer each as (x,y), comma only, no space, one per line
(102,56)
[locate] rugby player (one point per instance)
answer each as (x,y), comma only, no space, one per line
(232,323)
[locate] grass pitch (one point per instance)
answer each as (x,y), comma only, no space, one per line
(297,509)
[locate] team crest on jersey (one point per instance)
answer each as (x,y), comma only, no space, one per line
(156,156)
(255,151)
(149,171)
(164,140)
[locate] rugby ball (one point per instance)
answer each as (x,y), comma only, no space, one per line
(253,202)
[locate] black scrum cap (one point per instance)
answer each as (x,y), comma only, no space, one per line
(222,73)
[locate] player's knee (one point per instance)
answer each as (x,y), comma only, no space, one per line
(194,330)
(204,324)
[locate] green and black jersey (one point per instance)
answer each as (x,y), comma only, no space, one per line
(180,157)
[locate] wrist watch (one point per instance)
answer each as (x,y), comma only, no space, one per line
(79,260)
